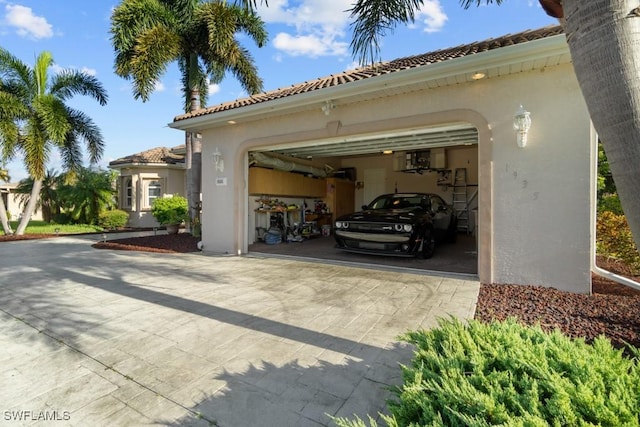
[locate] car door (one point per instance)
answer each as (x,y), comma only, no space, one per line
(441,216)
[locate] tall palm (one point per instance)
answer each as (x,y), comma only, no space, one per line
(6,227)
(604,41)
(34,118)
(148,35)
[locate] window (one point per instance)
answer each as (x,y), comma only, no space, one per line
(127,194)
(154,190)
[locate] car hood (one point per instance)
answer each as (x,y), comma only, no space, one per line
(383,215)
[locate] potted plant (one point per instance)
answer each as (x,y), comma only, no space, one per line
(170,212)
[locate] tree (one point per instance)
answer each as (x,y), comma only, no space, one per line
(34,118)
(88,193)
(6,227)
(148,35)
(49,200)
(604,41)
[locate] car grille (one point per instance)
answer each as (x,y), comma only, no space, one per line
(371,227)
(390,247)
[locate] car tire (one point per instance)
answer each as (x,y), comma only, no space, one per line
(428,244)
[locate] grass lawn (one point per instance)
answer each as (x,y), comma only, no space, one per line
(41,227)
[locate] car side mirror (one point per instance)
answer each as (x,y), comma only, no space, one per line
(365,207)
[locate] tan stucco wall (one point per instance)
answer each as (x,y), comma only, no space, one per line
(14,206)
(173,182)
(534,202)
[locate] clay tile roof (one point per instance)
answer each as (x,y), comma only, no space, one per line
(159,155)
(381,69)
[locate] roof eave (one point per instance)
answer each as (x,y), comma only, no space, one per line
(496,58)
(146,165)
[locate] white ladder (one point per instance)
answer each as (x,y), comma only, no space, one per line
(460,199)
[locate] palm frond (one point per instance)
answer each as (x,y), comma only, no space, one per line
(52,113)
(84,129)
(68,83)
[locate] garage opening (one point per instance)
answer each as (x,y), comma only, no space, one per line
(297,191)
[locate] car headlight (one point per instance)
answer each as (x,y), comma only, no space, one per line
(342,224)
(408,228)
(338,224)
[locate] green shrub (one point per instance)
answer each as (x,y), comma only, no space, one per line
(62,219)
(610,203)
(507,374)
(170,210)
(113,219)
(614,240)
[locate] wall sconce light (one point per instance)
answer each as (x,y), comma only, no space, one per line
(218,160)
(327,107)
(522,124)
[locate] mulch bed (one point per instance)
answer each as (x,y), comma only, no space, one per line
(164,243)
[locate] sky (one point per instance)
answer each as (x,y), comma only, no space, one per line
(308,39)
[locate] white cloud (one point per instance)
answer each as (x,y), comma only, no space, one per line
(318,26)
(89,71)
(158,86)
(213,88)
(432,16)
(309,45)
(26,23)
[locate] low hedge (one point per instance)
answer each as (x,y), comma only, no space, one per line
(507,374)
(113,219)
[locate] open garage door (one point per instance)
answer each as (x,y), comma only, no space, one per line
(306,186)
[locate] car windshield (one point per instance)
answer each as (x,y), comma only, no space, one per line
(400,201)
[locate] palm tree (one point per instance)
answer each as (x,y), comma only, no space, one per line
(49,199)
(88,194)
(604,41)
(148,35)
(6,227)
(34,118)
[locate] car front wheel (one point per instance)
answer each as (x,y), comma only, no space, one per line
(428,244)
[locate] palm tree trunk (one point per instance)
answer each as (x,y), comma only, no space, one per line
(6,227)
(604,40)
(30,208)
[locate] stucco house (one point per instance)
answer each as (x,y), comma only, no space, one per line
(530,192)
(13,204)
(145,176)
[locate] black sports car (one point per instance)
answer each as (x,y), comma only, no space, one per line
(399,225)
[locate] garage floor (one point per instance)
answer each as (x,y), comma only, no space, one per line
(460,257)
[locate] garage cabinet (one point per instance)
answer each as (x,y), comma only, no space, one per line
(340,198)
(273,182)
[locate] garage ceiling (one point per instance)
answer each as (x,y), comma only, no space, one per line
(407,140)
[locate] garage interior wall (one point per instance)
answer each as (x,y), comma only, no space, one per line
(534,202)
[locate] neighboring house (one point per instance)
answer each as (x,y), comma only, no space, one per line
(145,176)
(535,217)
(12,201)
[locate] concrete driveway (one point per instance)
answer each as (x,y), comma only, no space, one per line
(99,337)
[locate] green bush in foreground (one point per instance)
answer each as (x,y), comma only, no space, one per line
(503,373)
(113,219)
